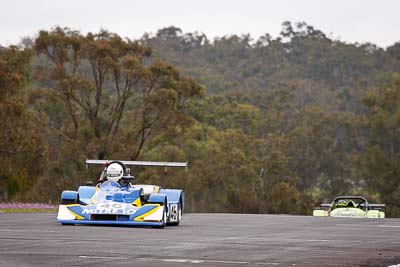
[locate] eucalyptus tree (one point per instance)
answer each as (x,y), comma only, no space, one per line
(116,97)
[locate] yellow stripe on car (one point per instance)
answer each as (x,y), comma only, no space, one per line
(140,218)
(78,217)
(93,200)
(137,202)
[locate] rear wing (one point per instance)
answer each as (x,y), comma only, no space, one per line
(323,206)
(165,164)
(377,206)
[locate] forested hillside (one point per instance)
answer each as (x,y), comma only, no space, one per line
(274,125)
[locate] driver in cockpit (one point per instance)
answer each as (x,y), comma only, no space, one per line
(344,203)
(115,172)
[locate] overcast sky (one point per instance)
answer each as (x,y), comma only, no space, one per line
(348,20)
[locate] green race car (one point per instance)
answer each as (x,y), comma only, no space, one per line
(350,206)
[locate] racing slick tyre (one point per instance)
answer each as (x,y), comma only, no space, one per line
(68,201)
(69,197)
(164,220)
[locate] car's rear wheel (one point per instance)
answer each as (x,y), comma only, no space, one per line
(179,215)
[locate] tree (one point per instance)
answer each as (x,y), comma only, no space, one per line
(382,156)
(104,81)
(21,149)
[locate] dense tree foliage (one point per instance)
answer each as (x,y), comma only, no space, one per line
(21,148)
(309,106)
(382,156)
(283,123)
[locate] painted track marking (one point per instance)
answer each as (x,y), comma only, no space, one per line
(194,261)
(40,231)
(101,257)
(190,261)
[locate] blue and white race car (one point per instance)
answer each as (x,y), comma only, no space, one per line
(115,200)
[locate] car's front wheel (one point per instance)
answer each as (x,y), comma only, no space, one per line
(164,216)
(164,221)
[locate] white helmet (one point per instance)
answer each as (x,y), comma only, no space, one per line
(114,172)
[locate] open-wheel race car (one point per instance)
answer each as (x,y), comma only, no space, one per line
(117,200)
(350,206)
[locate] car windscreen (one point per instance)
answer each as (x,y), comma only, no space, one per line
(350,202)
(109,185)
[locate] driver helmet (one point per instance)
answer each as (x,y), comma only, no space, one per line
(343,203)
(114,172)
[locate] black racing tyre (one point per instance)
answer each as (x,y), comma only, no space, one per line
(68,201)
(179,215)
(164,221)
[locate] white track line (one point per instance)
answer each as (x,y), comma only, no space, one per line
(101,257)
(389,226)
(293,240)
(194,261)
(40,231)
(182,260)
(190,261)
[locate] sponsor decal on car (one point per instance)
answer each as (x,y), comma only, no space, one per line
(109,208)
(346,213)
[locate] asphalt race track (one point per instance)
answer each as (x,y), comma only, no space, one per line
(35,239)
